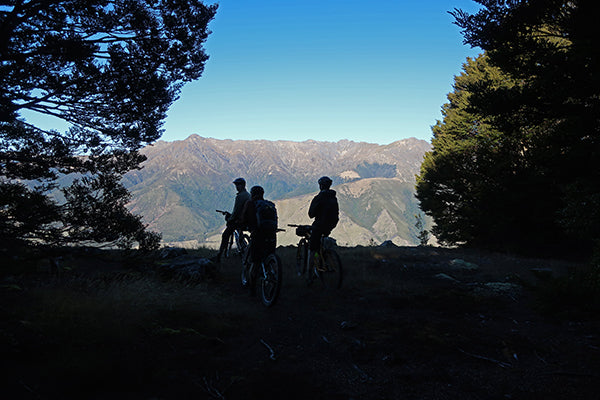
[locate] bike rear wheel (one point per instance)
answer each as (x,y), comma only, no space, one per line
(270,281)
(331,274)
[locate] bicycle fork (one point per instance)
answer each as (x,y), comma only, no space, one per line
(253,272)
(266,276)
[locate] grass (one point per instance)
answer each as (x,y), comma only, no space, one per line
(573,296)
(91,331)
(122,309)
(112,323)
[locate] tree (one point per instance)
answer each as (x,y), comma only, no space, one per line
(110,69)
(545,119)
(466,181)
(552,47)
(422,234)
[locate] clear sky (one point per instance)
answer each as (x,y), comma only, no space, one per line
(374,71)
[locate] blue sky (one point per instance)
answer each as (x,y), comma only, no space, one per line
(373,71)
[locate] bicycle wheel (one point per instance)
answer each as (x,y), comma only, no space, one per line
(270,280)
(242,243)
(331,274)
(246,267)
(301,257)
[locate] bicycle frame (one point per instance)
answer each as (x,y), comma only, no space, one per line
(327,264)
(241,241)
(303,246)
(238,237)
(268,275)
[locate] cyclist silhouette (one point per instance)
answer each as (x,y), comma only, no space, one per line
(263,233)
(234,219)
(324,209)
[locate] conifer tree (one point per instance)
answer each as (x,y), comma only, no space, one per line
(544,114)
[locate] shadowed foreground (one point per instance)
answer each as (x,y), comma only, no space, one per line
(409,323)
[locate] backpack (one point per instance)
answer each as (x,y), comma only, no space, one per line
(266,215)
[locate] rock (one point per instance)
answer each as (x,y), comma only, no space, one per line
(445,277)
(499,289)
(464,265)
(329,243)
(171,252)
(348,325)
(190,270)
(388,244)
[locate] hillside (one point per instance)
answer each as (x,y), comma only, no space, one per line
(183,182)
(371,210)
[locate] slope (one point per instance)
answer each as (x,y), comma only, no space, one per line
(183,182)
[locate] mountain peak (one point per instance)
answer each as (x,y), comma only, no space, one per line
(182,182)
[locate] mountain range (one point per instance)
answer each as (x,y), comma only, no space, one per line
(182,183)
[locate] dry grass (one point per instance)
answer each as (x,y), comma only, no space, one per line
(89,330)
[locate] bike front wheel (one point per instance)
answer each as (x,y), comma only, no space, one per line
(246,276)
(270,281)
(301,257)
(331,273)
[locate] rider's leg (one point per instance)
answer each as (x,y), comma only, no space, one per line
(314,247)
(270,243)
(256,249)
(224,241)
(255,253)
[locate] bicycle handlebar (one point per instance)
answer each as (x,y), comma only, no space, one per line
(296,225)
(223,212)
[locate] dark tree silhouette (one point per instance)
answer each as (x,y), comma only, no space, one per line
(110,69)
(544,189)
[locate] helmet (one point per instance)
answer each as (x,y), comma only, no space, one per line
(325,182)
(240,181)
(257,191)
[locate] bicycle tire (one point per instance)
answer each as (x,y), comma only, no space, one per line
(332,274)
(245,278)
(270,281)
(227,251)
(301,257)
(242,243)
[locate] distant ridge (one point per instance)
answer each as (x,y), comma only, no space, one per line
(183,182)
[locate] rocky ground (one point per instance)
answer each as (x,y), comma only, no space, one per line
(408,323)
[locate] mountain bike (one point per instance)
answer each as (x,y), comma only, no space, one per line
(267,276)
(239,238)
(327,267)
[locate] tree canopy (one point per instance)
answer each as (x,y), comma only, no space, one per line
(110,69)
(527,177)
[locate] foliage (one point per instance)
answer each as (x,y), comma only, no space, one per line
(422,233)
(470,165)
(110,69)
(96,210)
(522,178)
(573,296)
